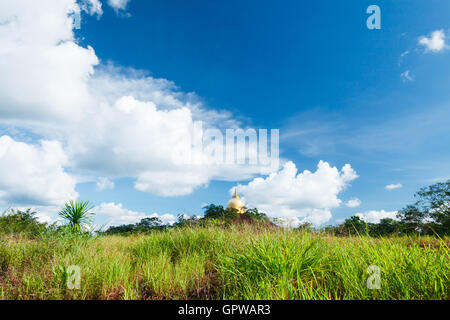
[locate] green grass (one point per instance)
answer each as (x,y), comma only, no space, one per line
(240,262)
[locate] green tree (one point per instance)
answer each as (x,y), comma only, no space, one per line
(218,212)
(150,223)
(411,219)
(354,225)
(185,220)
(213,212)
(254,215)
(21,222)
(385,227)
(122,229)
(144,225)
(434,200)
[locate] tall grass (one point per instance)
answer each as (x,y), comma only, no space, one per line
(240,262)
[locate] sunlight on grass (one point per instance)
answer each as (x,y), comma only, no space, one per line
(240,262)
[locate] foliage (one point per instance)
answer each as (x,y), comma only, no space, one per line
(185,220)
(229,216)
(436,196)
(411,219)
(145,225)
(122,229)
(253,214)
(351,226)
(150,223)
(385,227)
(435,201)
(77,214)
(430,215)
(237,262)
(18,222)
(218,212)
(431,212)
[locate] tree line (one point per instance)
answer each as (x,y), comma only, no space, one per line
(213,215)
(429,215)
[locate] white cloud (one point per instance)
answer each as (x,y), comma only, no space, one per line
(116,214)
(289,222)
(118,4)
(104,183)
(112,122)
(43,71)
(374,216)
(393,186)
(406,76)
(92,7)
(307,195)
(436,41)
(353,203)
(138,139)
(34,174)
(404,54)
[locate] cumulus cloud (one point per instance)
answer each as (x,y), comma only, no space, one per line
(353,203)
(34,174)
(137,139)
(393,186)
(374,216)
(43,70)
(302,197)
(103,184)
(111,121)
(435,42)
(118,4)
(92,7)
(116,214)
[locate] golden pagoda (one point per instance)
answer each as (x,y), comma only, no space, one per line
(236,203)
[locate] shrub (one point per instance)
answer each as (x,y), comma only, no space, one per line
(15,222)
(145,225)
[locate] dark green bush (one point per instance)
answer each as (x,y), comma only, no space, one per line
(145,225)
(25,223)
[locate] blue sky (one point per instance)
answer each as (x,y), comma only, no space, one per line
(312,69)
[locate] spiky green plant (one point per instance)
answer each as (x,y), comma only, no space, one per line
(77,214)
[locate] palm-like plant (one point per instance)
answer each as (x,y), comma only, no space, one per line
(77,214)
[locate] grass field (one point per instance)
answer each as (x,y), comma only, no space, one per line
(240,262)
